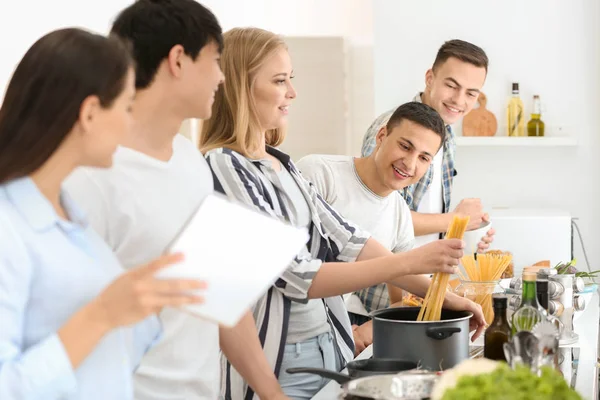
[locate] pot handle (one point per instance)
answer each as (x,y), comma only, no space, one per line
(325,373)
(441,332)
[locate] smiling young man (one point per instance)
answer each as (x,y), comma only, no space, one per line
(366,191)
(157,181)
(452,87)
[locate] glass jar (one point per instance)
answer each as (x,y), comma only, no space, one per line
(481,293)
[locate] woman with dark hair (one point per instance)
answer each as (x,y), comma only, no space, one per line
(74,326)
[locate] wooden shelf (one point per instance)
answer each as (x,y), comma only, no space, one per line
(504,141)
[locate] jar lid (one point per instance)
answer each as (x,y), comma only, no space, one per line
(547,272)
(533,268)
(529,275)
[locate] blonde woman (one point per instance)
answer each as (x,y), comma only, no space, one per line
(302,320)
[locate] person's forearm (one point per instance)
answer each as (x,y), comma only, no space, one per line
(425,224)
(82,332)
(418,285)
(375,264)
(395,294)
(415,284)
(242,348)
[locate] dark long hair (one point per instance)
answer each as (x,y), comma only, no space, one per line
(44,96)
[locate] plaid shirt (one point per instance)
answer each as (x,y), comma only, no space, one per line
(414,193)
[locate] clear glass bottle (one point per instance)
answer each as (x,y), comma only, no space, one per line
(498,332)
(515,116)
(481,293)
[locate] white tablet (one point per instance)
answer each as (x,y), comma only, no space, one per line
(238,251)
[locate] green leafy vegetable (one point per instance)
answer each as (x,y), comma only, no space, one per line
(569,268)
(505,383)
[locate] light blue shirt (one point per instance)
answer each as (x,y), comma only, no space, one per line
(49,269)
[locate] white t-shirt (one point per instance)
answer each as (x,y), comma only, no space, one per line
(138,206)
(432,201)
(388,219)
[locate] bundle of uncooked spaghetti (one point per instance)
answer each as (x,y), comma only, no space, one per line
(434,299)
(486,269)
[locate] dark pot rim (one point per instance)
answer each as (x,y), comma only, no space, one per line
(376,315)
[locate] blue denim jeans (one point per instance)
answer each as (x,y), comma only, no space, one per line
(318,352)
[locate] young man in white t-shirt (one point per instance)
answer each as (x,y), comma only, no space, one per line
(365,190)
(452,86)
(157,181)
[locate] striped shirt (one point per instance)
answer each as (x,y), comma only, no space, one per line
(414,193)
(332,238)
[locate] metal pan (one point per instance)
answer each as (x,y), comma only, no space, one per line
(360,369)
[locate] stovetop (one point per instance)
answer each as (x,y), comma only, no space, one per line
(568,362)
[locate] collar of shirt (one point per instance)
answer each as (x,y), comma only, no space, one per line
(283,158)
(37,210)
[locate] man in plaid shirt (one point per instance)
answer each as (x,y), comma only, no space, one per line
(452,87)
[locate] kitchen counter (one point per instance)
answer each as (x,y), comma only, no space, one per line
(587,327)
(584,371)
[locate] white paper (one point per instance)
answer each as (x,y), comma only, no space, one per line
(239,252)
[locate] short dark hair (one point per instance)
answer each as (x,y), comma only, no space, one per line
(44,96)
(418,113)
(464,51)
(154,27)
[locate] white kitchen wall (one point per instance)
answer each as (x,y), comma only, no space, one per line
(21,23)
(351,19)
(552,48)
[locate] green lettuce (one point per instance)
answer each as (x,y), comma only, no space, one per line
(505,383)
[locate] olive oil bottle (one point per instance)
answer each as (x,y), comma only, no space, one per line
(514,113)
(498,332)
(535,126)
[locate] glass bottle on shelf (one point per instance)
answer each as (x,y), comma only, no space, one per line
(535,126)
(515,116)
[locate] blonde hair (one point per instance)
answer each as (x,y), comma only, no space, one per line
(234,120)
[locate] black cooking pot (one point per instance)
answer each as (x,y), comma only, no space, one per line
(435,345)
(359,369)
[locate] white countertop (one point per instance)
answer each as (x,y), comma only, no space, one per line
(587,327)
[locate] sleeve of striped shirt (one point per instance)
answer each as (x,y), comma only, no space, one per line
(237,182)
(346,239)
